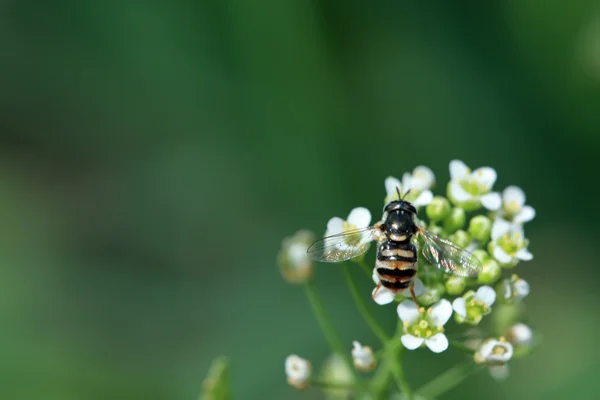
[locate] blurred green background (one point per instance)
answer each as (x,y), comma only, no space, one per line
(154,154)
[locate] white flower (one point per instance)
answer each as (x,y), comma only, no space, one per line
(473,306)
(472,189)
(419,183)
(494,352)
(298,371)
(513,206)
(514,289)
(358,218)
(362,357)
(384,295)
(509,245)
(294,263)
(520,335)
(425,327)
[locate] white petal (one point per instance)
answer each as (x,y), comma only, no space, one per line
(423,199)
(391,184)
(419,287)
(408,311)
(411,342)
(460,307)
(458,170)
(485,176)
(441,312)
(458,193)
(422,178)
(491,201)
(514,194)
(500,228)
(526,214)
(407,182)
(383,296)
(520,334)
(501,255)
(486,294)
(521,288)
(437,343)
(524,255)
(360,217)
(375,276)
(334,226)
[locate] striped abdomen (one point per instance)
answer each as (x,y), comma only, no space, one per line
(395,264)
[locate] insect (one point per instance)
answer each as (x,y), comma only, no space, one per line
(396,234)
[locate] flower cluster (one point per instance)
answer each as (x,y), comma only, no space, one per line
(451,264)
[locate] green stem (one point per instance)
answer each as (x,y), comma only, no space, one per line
(391,367)
(331,334)
(448,379)
(398,373)
(362,307)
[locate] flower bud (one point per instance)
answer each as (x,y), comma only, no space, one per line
(455,220)
(298,371)
(362,357)
(460,238)
(490,272)
(455,285)
(520,335)
(437,230)
(481,255)
(432,294)
(480,228)
(294,263)
(438,209)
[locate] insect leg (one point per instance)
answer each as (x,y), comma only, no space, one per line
(376,290)
(412,293)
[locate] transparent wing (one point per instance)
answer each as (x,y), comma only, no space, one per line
(447,256)
(342,246)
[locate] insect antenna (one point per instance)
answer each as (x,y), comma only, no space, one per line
(398,191)
(406,194)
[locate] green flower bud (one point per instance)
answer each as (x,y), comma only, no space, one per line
(480,228)
(460,238)
(216,384)
(432,294)
(455,285)
(438,209)
(481,255)
(456,220)
(437,230)
(490,272)
(335,369)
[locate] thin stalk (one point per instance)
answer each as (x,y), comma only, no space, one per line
(448,379)
(362,307)
(398,373)
(331,334)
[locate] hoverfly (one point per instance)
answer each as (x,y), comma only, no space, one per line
(397,250)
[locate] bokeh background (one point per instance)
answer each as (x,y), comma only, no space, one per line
(154,154)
